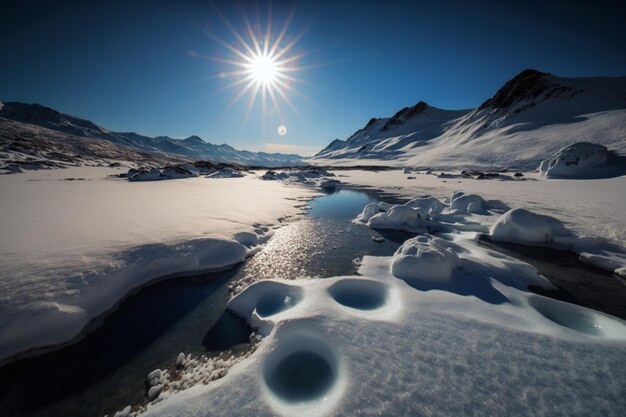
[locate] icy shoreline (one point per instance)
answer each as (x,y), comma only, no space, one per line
(72,250)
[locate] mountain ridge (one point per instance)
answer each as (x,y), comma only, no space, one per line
(192,147)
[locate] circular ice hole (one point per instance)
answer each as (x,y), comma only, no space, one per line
(301,377)
(303,369)
(359,294)
(278,301)
(567,315)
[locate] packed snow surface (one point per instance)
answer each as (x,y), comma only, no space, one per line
(70,250)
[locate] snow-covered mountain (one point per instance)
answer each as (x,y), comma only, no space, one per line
(17,119)
(529,119)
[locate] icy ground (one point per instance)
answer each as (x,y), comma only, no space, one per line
(443,327)
(71,249)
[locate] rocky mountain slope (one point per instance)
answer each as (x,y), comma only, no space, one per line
(530,118)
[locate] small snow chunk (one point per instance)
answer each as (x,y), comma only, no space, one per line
(180,360)
(153,392)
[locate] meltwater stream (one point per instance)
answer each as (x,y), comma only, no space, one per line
(106,370)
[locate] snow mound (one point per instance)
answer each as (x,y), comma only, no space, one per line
(399,217)
(371,210)
(474,204)
(424,259)
(580,160)
(522,226)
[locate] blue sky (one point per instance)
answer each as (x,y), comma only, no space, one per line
(143,66)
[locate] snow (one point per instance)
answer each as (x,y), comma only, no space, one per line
(71,250)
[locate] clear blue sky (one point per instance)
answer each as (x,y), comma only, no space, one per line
(139,66)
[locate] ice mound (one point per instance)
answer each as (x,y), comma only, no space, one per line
(427,204)
(424,259)
(522,226)
(579,160)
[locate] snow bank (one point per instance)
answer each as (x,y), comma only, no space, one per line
(70,250)
(525,227)
(582,160)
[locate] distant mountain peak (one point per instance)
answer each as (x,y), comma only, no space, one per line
(194,139)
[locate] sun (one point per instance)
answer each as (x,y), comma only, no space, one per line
(264,69)
(263,65)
